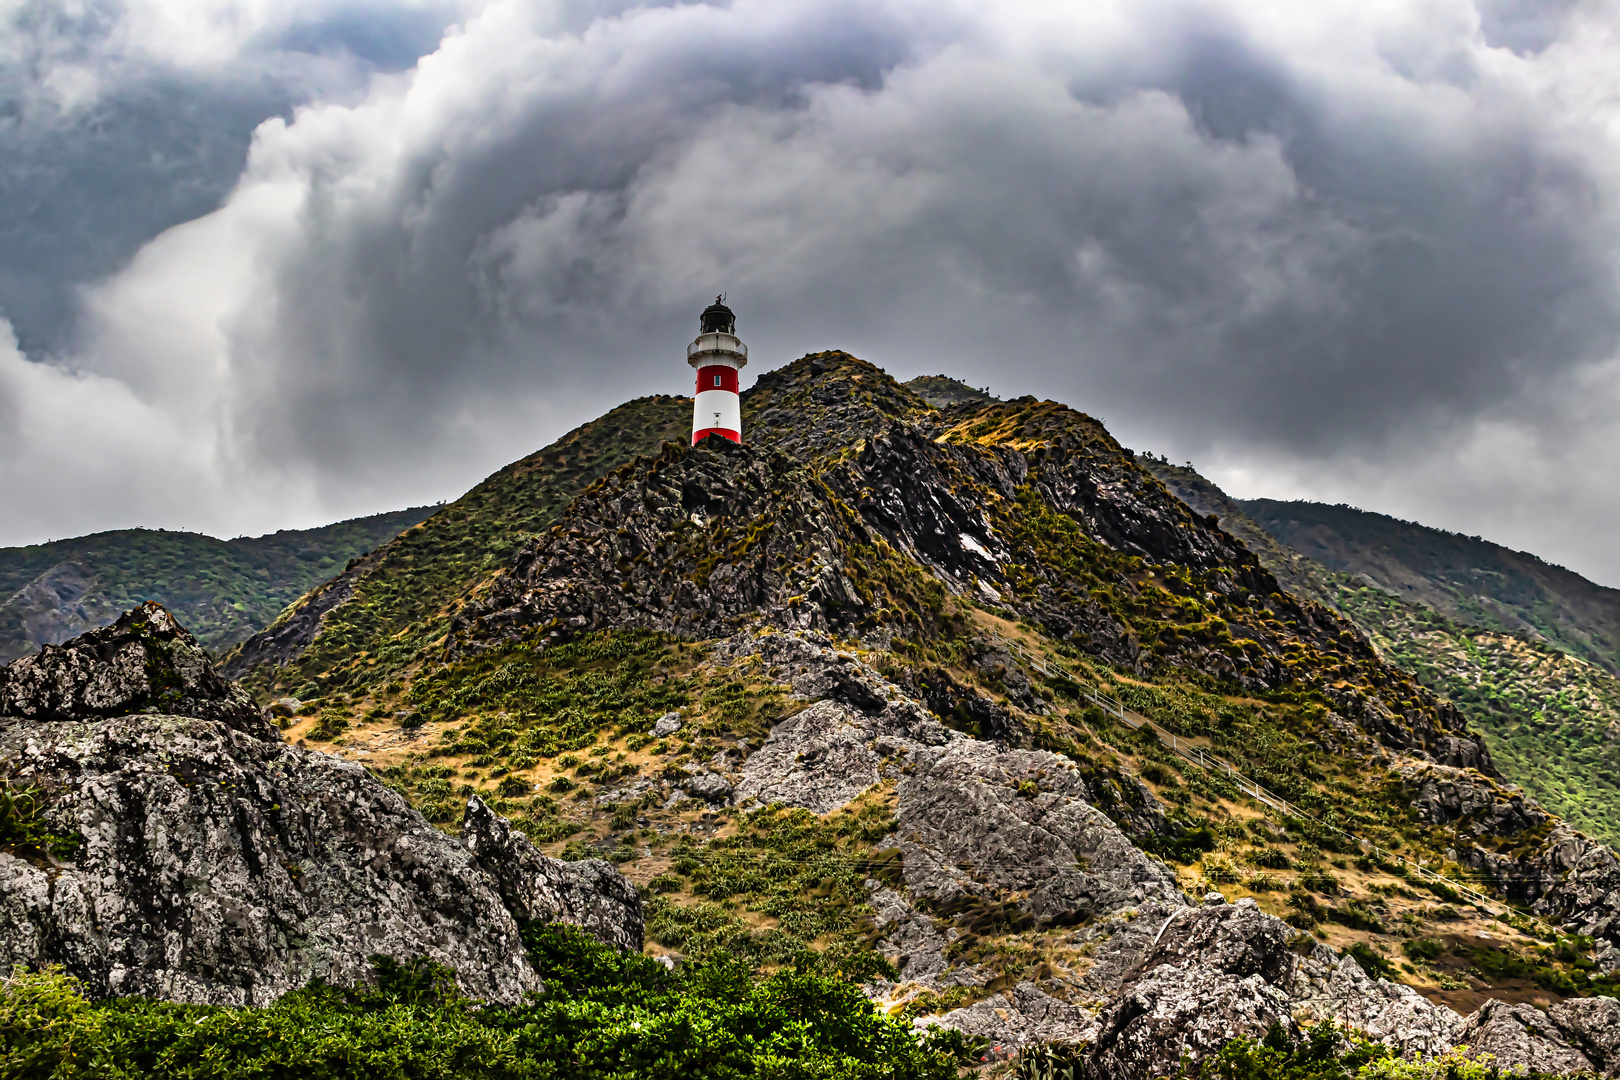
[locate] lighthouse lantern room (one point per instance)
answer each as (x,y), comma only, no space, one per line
(718,356)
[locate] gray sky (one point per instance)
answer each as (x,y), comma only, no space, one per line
(272,264)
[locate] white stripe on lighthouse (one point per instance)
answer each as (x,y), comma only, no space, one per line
(717,409)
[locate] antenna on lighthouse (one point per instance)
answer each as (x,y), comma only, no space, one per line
(718,355)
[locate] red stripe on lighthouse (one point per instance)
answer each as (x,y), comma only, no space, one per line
(717,377)
(723,432)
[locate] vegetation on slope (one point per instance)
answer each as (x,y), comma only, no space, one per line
(1095,564)
(222,590)
(1553,719)
(1472,581)
(398,603)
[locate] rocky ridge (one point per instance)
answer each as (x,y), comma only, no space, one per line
(817,525)
(859,520)
(205,860)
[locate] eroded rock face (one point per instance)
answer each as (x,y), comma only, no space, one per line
(1443,796)
(143,662)
(1587,901)
(216,864)
(590,893)
(226,869)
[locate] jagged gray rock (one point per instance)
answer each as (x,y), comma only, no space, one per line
(216,864)
(144,662)
(1587,901)
(225,869)
(1520,1035)
(1027,1014)
(1591,1025)
(1328,986)
(1178,1010)
(590,893)
(1022,821)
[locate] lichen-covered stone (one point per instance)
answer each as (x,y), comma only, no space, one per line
(590,893)
(1019,821)
(1592,1026)
(1178,1010)
(1328,986)
(210,862)
(1522,1036)
(217,867)
(1025,1015)
(144,662)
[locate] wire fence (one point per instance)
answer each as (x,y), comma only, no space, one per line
(1196,754)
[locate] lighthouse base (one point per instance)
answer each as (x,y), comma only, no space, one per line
(724,433)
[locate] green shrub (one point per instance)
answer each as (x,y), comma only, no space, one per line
(606,1014)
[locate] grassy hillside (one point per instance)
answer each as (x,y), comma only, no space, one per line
(393,608)
(223,590)
(1552,719)
(1472,581)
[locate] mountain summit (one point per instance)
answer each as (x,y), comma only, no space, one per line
(951,696)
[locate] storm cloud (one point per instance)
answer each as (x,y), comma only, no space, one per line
(1345,251)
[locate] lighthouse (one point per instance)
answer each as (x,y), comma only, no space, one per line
(718,356)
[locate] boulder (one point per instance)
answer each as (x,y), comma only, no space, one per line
(144,662)
(1181,1010)
(666,725)
(1520,1036)
(708,786)
(1024,1016)
(1328,986)
(1592,1026)
(974,820)
(590,893)
(207,861)
(1238,939)
(221,868)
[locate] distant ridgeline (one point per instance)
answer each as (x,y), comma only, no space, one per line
(223,590)
(1525,649)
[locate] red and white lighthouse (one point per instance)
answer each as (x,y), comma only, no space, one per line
(719,357)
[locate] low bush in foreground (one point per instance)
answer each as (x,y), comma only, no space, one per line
(1327,1052)
(605,1015)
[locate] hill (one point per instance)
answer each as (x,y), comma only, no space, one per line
(828,689)
(1552,718)
(942,391)
(896,715)
(225,590)
(1472,581)
(392,608)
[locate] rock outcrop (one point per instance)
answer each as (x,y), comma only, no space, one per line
(536,889)
(1219,971)
(1587,901)
(208,861)
(144,662)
